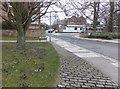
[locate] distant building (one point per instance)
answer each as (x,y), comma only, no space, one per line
(34,25)
(76,20)
(74,28)
(75,24)
(33,31)
(99,28)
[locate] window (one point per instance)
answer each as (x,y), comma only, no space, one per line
(81,28)
(75,28)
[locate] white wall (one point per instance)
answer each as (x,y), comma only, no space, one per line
(72,29)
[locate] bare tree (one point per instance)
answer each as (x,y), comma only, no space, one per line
(103,13)
(93,11)
(118,16)
(74,7)
(111,15)
(95,17)
(21,14)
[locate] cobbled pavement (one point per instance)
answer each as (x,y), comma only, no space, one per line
(77,73)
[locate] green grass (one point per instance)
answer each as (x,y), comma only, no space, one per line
(15,38)
(27,62)
(0,66)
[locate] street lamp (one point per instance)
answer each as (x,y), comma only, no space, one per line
(50,25)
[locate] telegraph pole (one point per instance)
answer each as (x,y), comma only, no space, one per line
(51,19)
(50,25)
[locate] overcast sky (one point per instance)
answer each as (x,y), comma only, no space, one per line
(61,15)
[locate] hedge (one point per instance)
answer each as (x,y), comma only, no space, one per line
(104,36)
(6,25)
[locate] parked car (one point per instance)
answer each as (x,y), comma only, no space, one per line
(50,30)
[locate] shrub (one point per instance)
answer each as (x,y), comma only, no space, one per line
(90,36)
(104,36)
(7,25)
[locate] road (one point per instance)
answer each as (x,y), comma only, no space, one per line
(101,55)
(106,49)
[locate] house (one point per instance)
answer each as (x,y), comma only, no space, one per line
(75,24)
(74,28)
(2,14)
(76,20)
(33,31)
(59,25)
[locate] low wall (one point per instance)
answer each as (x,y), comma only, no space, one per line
(9,32)
(29,33)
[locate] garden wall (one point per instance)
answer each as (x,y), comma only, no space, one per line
(29,33)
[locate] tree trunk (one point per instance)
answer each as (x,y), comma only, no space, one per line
(118,22)
(110,20)
(95,18)
(21,34)
(21,39)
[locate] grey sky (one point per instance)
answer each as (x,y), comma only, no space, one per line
(61,15)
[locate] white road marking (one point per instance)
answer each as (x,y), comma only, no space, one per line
(115,64)
(85,55)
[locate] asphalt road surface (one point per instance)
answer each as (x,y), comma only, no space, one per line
(106,49)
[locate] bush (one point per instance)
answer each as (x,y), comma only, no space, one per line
(90,36)
(104,36)
(7,25)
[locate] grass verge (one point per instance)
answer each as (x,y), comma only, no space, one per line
(27,38)
(37,66)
